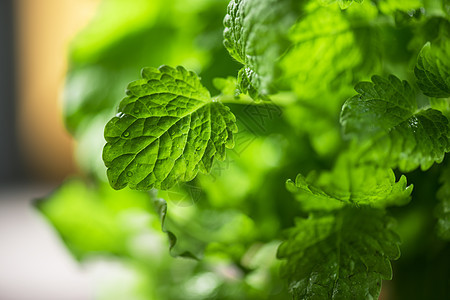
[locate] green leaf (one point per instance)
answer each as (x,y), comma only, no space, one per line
(433,69)
(391,130)
(346,3)
(344,255)
(342,3)
(104,57)
(255,35)
(175,250)
(443,209)
(391,6)
(224,229)
(355,52)
(168,128)
(350,185)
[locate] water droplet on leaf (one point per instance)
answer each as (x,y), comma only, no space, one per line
(129,173)
(126,134)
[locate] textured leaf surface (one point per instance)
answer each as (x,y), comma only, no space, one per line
(349,185)
(385,119)
(255,35)
(167,129)
(433,69)
(443,209)
(344,255)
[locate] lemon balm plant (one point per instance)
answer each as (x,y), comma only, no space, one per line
(282,172)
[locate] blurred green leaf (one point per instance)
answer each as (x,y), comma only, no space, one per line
(390,6)
(342,255)
(355,51)
(342,3)
(95,219)
(443,209)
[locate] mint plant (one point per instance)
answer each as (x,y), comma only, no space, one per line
(331,118)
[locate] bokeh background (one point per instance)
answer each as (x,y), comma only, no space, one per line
(117,236)
(36,152)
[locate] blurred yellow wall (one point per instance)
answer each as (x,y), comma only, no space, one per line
(44,29)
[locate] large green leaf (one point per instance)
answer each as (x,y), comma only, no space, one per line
(343,255)
(350,185)
(167,129)
(390,128)
(433,69)
(120,40)
(256,34)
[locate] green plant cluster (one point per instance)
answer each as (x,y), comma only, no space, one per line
(321,155)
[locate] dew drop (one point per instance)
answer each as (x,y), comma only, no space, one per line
(129,173)
(137,110)
(126,134)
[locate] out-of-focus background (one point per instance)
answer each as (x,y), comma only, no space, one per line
(36,152)
(83,240)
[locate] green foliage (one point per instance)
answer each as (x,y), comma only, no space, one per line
(385,114)
(347,185)
(342,3)
(167,129)
(342,255)
(120,40)
(245,23)
(219,195)
(94,219)
(352,35)
(432,70)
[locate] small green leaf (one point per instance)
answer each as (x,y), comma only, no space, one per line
(443,209)
(389,127)
(343,255)
(168,128)
(350,185)
(433,69)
